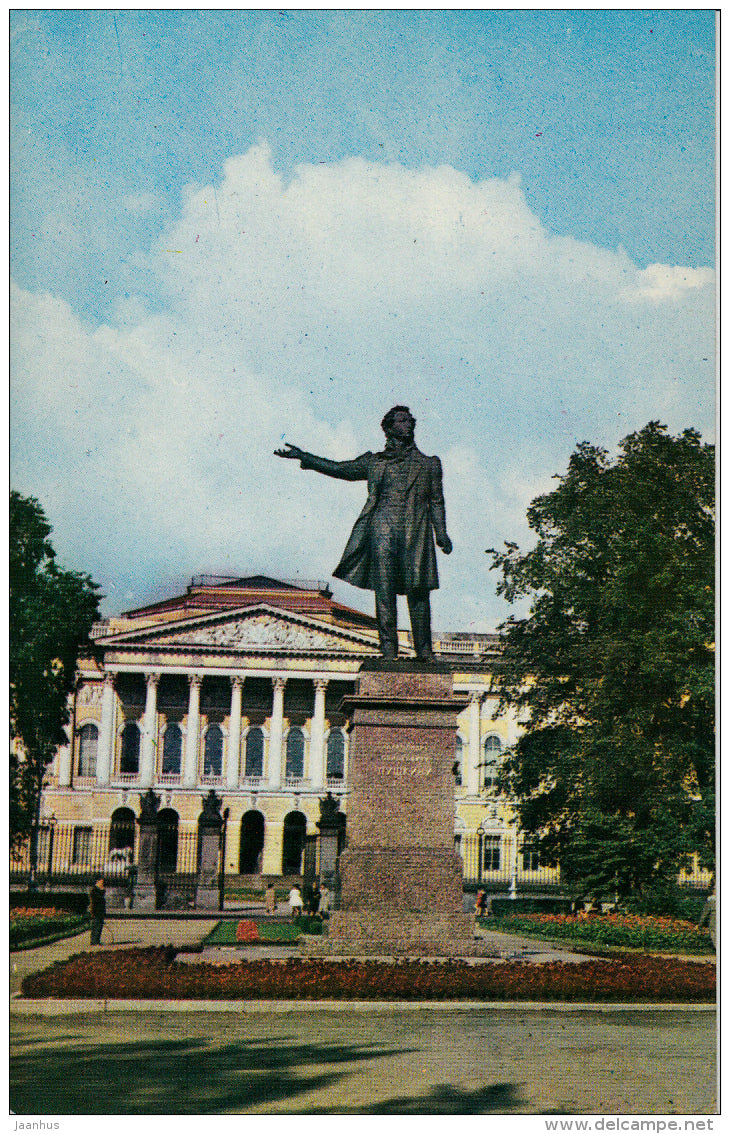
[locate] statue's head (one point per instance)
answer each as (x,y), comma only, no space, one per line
(399,423)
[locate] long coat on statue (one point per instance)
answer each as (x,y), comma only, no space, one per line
(422,515)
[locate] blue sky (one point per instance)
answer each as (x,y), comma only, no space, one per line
(230,227)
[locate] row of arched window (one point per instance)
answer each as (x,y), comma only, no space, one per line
(251,839)
(172,747)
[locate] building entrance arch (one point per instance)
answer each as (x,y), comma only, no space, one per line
(167,838)
(295,830)
(251,844)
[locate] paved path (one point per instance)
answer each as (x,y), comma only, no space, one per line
(116,933)
(378,1061)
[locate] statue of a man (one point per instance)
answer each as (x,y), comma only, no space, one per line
(391,548)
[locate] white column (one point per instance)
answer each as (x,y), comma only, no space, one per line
(317,758)
(275,733)
(192,737)
(472,776)
(105,751)
(234,734)
(149,733)
(64,754)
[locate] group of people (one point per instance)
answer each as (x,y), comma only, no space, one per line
(315,901)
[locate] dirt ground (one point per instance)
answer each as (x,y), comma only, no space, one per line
(383,1061)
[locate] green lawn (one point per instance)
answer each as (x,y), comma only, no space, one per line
(271,933)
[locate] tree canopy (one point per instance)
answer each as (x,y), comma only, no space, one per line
(612,671)
(51,614)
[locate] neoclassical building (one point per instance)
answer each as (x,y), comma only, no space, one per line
(236,685)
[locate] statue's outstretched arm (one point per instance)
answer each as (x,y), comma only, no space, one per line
(343,470)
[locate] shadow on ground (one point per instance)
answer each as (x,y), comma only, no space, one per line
(500,1098)
(179,1076)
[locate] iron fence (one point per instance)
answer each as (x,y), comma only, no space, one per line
(78,854)
(502,862)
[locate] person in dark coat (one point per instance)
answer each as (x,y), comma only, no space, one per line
(97,909)
(315,898)
(391,548)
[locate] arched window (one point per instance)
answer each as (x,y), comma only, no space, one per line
(335,755)
(295,754)
(213,751)
(172,750)
(492,756)
(121,831)
(88,744)
(295,829)
(254,753)
(252,843)
(458,762)
(167,823)
(129,762)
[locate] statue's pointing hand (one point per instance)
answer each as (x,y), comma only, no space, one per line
(289,451)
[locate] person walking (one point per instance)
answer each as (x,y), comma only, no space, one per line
(296,903)
(97,909)
(270,899)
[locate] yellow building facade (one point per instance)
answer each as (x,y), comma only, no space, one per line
(236,686)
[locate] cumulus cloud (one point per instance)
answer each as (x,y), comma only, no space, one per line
(301,310)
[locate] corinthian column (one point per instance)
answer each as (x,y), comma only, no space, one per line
(234,733)
(472,771)
(316,751)
(105,753)
(275,734)
(149,734)
(190,771)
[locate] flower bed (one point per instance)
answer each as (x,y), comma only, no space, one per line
(36,926)
(153,974)
(663,934)
(269,932)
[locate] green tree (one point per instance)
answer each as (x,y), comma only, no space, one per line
(51,614)
(612,671)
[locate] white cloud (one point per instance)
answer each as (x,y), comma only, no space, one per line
(661,282)
(301,311)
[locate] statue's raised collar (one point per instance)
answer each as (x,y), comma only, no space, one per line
(395,452)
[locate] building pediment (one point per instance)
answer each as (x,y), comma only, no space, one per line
(259,629)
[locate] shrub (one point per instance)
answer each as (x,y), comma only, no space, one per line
(628,930)
(74,901)
(152,974)
(38,924)
(503,907)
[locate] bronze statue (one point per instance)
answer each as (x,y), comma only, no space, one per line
(391,548)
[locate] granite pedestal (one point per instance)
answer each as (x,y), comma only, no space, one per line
(401,879)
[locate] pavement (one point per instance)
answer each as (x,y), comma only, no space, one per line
(378,1059)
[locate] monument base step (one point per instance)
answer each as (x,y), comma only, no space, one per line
(371,931)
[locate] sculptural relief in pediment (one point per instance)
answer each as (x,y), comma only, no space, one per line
(262,631)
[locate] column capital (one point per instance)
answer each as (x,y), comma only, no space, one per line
(195,680)
(237,680)
(476,696)
(109,678)
(279,681)
(320,684)
(153,677)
